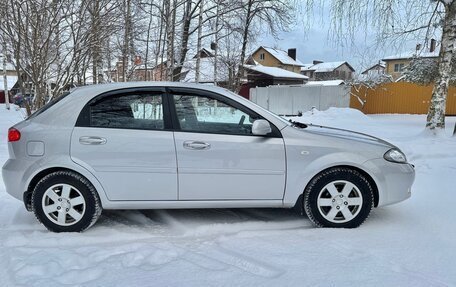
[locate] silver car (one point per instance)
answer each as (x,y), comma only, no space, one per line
(172,145)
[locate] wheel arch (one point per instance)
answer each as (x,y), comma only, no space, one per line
(42,173)
(300,201)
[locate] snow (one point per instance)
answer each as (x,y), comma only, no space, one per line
(306,66)
(275,72)
(283,57)
(323,67)
(409,244)
(11,81)
(206,71)
(325,83)
(412,54)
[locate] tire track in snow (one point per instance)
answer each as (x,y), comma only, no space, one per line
(243,262)
(133,245)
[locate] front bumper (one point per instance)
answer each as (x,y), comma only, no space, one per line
(394,180)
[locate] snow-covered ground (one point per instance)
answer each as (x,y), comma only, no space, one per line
(409,244)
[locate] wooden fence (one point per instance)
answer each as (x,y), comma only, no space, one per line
(398,98)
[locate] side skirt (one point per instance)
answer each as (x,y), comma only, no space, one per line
(187,204)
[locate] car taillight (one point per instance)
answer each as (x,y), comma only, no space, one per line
(14,135)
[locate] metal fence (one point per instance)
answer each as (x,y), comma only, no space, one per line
(291,100)
(398,98)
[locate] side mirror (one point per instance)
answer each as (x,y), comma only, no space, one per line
(261,127)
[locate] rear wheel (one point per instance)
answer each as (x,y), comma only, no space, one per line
(338,197)
(65,201)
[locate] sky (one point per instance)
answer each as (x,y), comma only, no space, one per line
(313,42)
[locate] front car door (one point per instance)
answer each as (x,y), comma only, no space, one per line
(218,157)
(125,139)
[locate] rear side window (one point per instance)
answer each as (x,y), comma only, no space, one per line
(131,111)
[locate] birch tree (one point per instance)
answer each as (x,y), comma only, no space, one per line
(199,40)
(399,20)
(436,114)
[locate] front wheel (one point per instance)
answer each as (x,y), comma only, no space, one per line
(338,197)
(65,201)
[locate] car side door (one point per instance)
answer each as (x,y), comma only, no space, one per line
(218,156)
(125,139)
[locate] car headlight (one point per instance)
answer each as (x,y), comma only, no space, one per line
(395,155)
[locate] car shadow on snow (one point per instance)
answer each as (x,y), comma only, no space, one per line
(204,221)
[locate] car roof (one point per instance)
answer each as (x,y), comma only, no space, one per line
(101,88)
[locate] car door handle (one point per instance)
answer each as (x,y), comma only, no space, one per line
(196,145)
(92,140)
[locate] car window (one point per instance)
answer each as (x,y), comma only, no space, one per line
(197,113)
(133,111)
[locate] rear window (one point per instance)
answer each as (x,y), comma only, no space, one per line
(48,105)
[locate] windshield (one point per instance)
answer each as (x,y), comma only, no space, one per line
(48,105)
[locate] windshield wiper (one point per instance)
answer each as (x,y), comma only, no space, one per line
(298,124)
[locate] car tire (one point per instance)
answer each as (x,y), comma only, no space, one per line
(64,201)
(338,197)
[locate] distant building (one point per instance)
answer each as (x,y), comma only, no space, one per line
(262,76)
(206,69)
(270,66)
(139,72)
(272,57)
(377,69)
(324,71)
(11,79)
(396,64)
(11,75)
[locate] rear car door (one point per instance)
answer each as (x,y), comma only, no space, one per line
(218,157)
(125,139)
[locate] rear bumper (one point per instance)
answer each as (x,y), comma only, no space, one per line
(14,174)
(394,180)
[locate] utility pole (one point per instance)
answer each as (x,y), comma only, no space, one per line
(5,79)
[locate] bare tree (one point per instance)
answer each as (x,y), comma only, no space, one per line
(274,14)
(57,44)
(199,40)
(36,31)
(399,20)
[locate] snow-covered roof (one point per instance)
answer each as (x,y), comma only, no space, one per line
(282,56)
(324,67)
(204,53)
(325,83)
(375,67)
(306,66)
(142,66)
(11,81)
(412,54)
(275,72)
